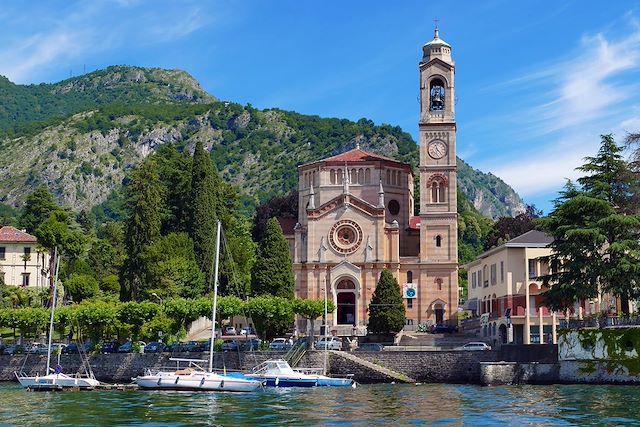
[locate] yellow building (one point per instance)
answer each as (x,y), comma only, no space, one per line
(21,264)
(356,217)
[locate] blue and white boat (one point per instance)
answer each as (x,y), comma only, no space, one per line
(278,373)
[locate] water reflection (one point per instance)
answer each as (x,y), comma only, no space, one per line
(390,405)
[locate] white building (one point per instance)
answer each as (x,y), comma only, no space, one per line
(21,263)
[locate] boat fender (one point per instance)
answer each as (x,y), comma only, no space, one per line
(177,378)
(222,384)
(202,382)
(159,380)
(277,381)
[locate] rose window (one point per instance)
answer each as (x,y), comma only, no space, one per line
(345,236)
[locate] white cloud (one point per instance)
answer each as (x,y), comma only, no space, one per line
(578,99)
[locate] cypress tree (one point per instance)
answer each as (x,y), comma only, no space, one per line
(386,310)
(38,206)
(273,271)
(204,208)
(144,204)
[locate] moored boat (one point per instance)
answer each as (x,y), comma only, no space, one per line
(278,373)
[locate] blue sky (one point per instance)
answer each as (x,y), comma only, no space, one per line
(537,81)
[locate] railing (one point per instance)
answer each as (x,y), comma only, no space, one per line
(296,353)
(599,322)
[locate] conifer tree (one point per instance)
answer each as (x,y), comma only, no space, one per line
(144,204)
(386,310)
(273,271)
(596,246)
(204,208)
(38,206)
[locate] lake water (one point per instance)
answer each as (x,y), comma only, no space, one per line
(389,405)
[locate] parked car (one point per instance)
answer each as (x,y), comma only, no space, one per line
(75,348)
(128,347)
(14,349)
(230,345)
(154,347)
(370,346)
(252,344)
(230,330)
(35,348)
(280,344)
(443,329)
(109,347)
(329,343)
(55,348)
(475,346)
(247,331)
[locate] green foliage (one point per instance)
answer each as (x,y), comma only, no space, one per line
(596,246)
(8,215)
(312,309)
(172,268)
(273,271)
(136,314)
(507,228)
(81,286)
(472,230)
(271,315)
(110,284)
(386,310)
(142,226)
(204,207)
(37,208)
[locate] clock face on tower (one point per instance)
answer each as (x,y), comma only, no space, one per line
(437,149)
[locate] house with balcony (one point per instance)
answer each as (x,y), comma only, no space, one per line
(21,262)
(506,295)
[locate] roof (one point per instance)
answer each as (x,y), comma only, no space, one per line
(437,40)
(414,222)
(10,234)
(357,155)
(530,239)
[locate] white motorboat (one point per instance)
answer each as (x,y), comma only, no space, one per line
(278,373)
(55,379)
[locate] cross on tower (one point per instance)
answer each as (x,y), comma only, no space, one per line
(436,21)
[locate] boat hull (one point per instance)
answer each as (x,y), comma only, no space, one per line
(197,382)
(57,382)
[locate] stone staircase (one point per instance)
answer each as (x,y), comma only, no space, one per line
(426,341)
(394,375)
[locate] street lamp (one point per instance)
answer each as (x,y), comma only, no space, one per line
(159,299)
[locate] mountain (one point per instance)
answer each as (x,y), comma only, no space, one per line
(20,105)
(82,135)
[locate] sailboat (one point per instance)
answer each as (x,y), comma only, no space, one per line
(194,377)
(54,379)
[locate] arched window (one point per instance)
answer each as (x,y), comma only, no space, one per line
(438,241)
(360,176)
(436,95)
(439,284)
(437,191)
(388,177)
(333,176)
(367,176)
(409,276)
(339,177)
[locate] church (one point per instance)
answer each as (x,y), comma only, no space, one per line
(356,217)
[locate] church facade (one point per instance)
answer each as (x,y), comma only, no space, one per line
(356,217)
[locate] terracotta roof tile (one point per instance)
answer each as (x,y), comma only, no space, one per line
(10,234)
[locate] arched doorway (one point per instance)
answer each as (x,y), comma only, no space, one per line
(503,333)
(346,302)
(439,311)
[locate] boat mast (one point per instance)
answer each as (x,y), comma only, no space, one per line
(53,308)
(215,297)
(326,345)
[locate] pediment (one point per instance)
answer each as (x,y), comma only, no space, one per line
(438,63)
(345,268)
(342,201)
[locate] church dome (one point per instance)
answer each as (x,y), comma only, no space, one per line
(436,48)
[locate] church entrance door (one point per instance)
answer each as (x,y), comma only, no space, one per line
(346,308)
(439,310)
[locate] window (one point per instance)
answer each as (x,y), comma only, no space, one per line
(367,176)
(3,252)
(533,268)
(25,279)
(409,276)
(473,280)
(409,302)
(437,191)
(439,283)
(485,277)
(332,174)
(394,207)
(501,271)
(493,275)
(409,322)
(438,241)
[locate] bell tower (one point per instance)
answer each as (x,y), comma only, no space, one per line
(438,183)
